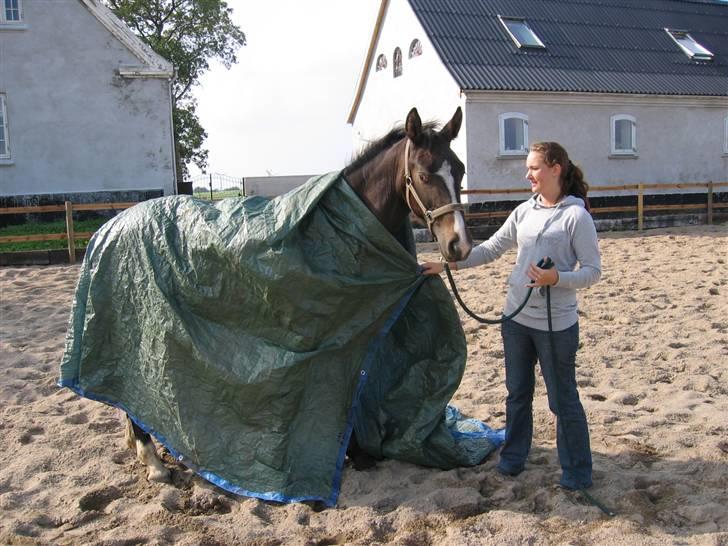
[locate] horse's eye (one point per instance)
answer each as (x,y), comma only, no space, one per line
(423,177)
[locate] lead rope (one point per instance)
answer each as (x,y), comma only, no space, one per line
(545,263)
(483,319)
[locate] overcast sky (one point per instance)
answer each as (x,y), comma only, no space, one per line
(282,108)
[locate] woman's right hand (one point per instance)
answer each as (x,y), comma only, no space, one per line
(435,268)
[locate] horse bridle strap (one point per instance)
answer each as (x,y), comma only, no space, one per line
(430,215)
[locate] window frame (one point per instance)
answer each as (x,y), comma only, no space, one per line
(397,67)
(415,49)
(3,13)
(693,56)
(539,43)
(725,136)
(4,127)
(502,151)
(613,135)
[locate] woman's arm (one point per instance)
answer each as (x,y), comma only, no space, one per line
(503,239)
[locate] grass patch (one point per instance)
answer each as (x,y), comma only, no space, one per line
(42,228)
(216,195)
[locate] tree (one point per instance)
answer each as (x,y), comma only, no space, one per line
(189,34)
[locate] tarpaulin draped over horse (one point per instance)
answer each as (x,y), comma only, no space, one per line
(250,335)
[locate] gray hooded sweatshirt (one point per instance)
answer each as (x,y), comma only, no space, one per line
(566,233)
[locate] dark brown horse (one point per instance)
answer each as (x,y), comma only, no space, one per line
(411,169)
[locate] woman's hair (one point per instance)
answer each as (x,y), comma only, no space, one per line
(572,177)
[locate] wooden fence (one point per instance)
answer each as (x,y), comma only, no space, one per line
(70,233)
(639,209)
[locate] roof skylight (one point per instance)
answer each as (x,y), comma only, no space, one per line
(690,47)
(520,32)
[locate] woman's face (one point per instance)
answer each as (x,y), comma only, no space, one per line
(543,179)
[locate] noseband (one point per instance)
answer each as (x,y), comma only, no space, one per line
(430,215)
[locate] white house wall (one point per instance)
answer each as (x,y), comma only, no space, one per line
(75,125)
(425,83)
(679,139)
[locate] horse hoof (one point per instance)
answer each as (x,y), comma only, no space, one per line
(363,462)
(159,475)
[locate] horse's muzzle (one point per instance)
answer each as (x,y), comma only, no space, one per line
(455,248)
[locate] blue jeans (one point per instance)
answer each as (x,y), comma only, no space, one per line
(523,346)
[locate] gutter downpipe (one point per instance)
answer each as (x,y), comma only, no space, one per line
(175,174)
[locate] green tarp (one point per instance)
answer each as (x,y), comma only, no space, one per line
(250,335)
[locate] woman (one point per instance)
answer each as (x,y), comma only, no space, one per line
(554,222)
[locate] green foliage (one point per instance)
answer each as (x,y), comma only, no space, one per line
(189,34)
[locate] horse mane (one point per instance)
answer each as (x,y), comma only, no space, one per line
(374,148)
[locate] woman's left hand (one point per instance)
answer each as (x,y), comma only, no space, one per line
(542,277)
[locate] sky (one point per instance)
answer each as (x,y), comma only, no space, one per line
(282,109)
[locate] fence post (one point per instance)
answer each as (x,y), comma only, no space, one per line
(70,233)
(640,206)
(710,202)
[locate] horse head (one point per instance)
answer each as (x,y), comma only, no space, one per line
(431,183)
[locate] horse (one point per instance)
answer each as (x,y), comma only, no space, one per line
(412,169)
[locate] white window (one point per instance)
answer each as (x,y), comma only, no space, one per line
(513,129)
(690,47)
(11,11)
(519,31)
(624,135)
(4,144)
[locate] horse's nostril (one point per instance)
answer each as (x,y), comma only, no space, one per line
(452,246)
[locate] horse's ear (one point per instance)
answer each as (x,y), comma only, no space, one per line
(413,125)
(450,131)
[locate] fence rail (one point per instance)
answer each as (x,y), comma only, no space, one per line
(70,234)
(639,209)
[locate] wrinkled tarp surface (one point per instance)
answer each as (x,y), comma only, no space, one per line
(250,335)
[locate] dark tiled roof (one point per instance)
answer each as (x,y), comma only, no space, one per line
(601,46)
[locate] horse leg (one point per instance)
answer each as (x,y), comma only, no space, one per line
(359,458)
(137,439)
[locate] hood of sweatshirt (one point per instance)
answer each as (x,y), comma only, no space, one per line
(567,201)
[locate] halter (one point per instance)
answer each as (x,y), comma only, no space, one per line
(430,215)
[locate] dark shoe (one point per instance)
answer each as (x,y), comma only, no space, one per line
(573,486)
(508,472)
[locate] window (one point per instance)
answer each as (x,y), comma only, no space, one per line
(513,133)
(725,135)
(4,144)
(415,49)
(397,62)
(519,31)
(11,11)
(690,47)
(381,62)
(624,135)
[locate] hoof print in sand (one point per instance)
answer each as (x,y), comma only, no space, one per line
(28,435)
(99,499)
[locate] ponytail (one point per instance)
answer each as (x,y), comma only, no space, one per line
(573,183)
(572,177)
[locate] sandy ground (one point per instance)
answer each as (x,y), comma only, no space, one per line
(653,376)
